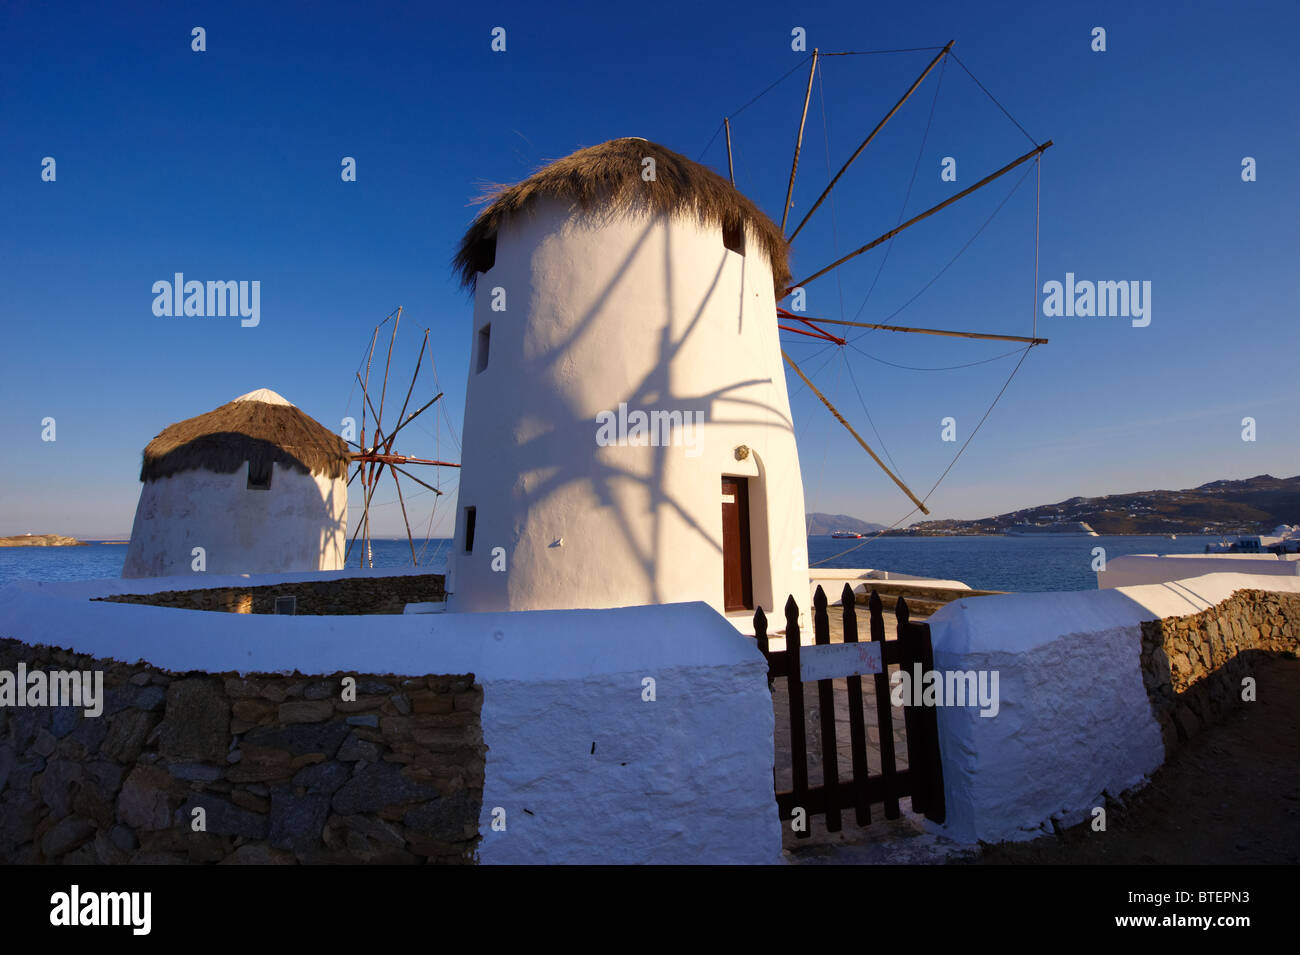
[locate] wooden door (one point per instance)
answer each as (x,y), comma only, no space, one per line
(737,578)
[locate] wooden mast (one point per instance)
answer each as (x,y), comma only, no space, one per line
(920,331)
(879,127)
(798,143)
(928,212)
(726,122)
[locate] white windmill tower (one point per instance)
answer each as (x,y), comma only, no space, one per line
(628,437)
(258,485)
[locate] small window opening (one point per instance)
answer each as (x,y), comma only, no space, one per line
(485,255)
(733,237)
(286,606)
(469,530)
(484,341)
(259,475)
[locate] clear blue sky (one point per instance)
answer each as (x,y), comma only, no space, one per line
(225,165)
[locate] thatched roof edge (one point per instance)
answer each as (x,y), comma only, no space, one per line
(254,431)
(608,177)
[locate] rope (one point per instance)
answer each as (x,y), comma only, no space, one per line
(911,49)
(1038,205)
(992,97)
(871,422)
(835,231)
(916,166)
(769,89)
(969,364)
(938,275)
(959,453)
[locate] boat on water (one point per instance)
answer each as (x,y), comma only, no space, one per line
(1285,539)
(852,535)
(1056,529)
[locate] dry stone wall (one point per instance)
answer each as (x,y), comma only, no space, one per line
(1193,666)
(285,769)
(353,595)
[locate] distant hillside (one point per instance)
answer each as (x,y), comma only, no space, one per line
(1254,505)
(821,524)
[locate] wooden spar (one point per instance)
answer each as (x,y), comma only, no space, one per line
(879,126)
(401,414)
(414,415)
(798,143)
(726,122)
(365,518)
(383,392)
(400,459)
(840,418)
(417,480)
(928,212)
(919,331)
(406,520)
(379,435)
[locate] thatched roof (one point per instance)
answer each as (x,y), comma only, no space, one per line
(260,427)
(608,176)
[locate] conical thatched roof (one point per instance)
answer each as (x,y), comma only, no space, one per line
(260,427)
(608,176)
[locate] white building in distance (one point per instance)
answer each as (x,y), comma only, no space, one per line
(257,484)
(628,437)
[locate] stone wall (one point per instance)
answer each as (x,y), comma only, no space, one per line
(353,595)
(285,768)
(1193,666)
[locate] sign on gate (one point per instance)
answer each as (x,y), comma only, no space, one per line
(836,660)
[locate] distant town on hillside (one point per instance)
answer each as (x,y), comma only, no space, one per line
(1249,506)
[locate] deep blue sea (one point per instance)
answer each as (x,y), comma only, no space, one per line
(985,563)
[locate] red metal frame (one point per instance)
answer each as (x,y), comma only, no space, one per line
(817,330)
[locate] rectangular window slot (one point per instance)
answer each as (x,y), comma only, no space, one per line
(733,237)
(485,253)
(484,341)
(286,606)
(469,530)
(259,475)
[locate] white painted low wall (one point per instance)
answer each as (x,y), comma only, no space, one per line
(684,779)
(1074,719)
(1135,569)
(832,581)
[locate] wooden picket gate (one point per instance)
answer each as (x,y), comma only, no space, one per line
(922,780)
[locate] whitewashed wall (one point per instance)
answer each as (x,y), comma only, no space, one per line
(299,523)
(684,779)
(1074,719)
(1134,569)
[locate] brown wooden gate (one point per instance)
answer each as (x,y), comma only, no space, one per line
(922,780)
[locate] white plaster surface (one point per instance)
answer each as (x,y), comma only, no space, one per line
(650,311)
(1074,718)
(832,581)
(1134,569)
(299,523)
(687,778)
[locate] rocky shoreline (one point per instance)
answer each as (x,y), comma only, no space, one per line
(41,540)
